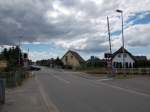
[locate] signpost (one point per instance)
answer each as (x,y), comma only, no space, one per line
(108,58)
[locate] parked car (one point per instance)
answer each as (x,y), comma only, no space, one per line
(67,67)
(33,67)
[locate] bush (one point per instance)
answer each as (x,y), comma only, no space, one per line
(14,78)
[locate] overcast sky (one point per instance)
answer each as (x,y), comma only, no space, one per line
(50,27)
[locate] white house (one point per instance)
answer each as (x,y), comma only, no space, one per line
(117,59)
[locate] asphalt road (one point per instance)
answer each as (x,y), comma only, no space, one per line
(68,92)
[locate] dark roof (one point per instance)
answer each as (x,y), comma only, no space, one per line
(121,51)
(140,58)
(93,58)
(78,57)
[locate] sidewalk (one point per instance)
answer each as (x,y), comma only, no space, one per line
(25,98)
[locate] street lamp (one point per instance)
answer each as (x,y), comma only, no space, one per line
(123,59)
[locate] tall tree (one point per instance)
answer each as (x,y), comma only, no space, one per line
(14,57)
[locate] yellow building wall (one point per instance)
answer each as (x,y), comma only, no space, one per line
(71,60)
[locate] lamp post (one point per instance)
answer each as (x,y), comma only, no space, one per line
(123,58)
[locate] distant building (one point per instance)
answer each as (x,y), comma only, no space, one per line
(95,62)
(140,58)
(51,62)
(25,60)
(117,59)
(72,59)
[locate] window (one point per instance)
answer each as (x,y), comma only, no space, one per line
(126,65)
(71,57)
(130,65)
(114,64)
(120,65)
(119,55)
(66,58)
(125,55)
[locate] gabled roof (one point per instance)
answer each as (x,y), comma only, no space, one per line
(78,57)
(121,51)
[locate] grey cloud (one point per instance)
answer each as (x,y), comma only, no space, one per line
(138,35)
(89,45)
(27,18)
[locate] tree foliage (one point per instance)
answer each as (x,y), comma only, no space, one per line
(142,64)
(50,62)
(13,56)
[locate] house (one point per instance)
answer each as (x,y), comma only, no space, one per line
(140,58)
(95,62)
(72,59)
(117,59)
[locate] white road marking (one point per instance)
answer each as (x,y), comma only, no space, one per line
(50,106)
(125,90)
(61,79)
(106,79)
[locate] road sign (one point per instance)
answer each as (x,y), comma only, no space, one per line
(107,55)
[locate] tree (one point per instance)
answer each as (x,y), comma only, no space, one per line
(54,62)
(5,54)
(58,62)
(13,56)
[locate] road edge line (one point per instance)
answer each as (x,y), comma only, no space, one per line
(51,107)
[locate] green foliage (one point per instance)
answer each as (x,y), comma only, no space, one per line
(95,62)
(14,78)
(58,62)
(43,62)
(142,64)
(13,56)
(53,62)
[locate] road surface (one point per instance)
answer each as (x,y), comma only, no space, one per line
(68,92)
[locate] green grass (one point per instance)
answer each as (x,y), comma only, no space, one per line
(129,76)
(98,72)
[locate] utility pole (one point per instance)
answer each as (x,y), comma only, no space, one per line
(109,35)
(28,52)
(109,61)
